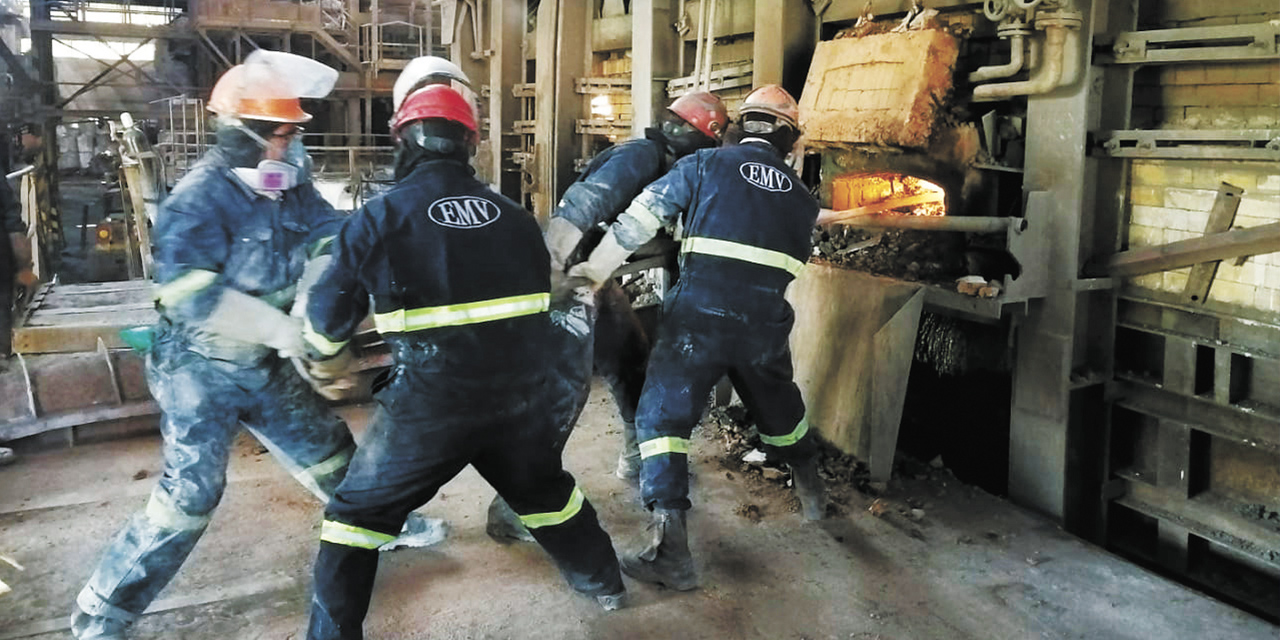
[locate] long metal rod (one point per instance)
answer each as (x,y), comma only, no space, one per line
(1250,241)
(965,224)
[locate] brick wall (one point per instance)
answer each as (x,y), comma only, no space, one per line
(1170,199)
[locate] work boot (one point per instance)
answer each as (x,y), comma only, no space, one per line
(667,560)
(504,523)
(87,627)
(629,457)
(418,531)
(809,488)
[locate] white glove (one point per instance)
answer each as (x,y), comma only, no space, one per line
(562,239)
(604,260)
(242,317)
(310,276)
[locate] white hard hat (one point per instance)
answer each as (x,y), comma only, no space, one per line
(268,84)
(419,71)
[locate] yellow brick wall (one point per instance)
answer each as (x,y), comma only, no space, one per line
(1170,201)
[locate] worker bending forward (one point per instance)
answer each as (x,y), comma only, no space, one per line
(459,282)
(694,121)
(747,221)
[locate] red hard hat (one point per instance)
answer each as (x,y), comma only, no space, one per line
(773,100)
(435,101)
(704,111)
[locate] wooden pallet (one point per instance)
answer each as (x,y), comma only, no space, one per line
(70,318)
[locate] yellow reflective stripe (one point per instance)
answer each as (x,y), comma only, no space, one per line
(310,477)
(659,446)
(347,535)
(402,320)
(184,286)
(320,343)
(790,438)
(744,252)
(165,515)
(539,520)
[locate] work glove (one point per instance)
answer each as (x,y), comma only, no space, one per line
(562,239)
(242,317)
(333,378)
(25,281)
(604,260)
(310,276)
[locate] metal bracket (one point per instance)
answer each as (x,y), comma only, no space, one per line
(1245,144)
(1230,43)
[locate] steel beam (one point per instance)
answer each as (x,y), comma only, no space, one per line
(654,47)
(1252,241)
(506,35)
(784,41)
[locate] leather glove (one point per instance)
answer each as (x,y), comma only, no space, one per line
(604,260)
(21,250)
(242,317)
(330,378)
(562,239)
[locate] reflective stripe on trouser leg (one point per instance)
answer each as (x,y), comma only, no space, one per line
(343,583)
(788,439)
(572,536)
(353,536)
(552,518)
(324,476)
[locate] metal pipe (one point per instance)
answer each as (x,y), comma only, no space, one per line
(1016,59)
(1043,79)
(20,172)
(965,224)
(697,41)
(711,43)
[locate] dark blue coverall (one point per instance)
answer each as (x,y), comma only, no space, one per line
(213,234)
(10,222)
(459,280)
(747,223)
(603,190)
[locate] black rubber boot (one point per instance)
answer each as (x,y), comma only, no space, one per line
(629,457)
(667,560)
(809,489)
(504,523)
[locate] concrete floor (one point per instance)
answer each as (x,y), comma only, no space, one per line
(972,567)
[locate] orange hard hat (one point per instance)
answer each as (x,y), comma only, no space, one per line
(775,101)
(704,111)
(435,101)
(268,85)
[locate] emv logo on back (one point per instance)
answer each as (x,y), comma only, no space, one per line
(765,176)
(463,212)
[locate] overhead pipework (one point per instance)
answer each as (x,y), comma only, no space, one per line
(1055,63)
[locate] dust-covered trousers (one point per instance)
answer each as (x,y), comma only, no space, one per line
(703,338)
(621,350)
(430,425)
(205,402)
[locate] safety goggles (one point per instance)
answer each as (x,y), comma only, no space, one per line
(677,128)
(759,126)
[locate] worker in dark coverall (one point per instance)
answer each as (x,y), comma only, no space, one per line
(747,221)
(459,283)
(694,121)
(231,241)
(16,277)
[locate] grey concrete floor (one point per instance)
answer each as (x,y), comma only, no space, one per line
(973,567)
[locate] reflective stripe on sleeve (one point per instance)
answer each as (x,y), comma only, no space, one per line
(659,446)
(184,286)
(320,245)
(790,438)
(744,252)
(349,536)
(320,343)
(162,513)
(539,520)
(404,320)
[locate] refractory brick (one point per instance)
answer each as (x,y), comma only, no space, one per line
(883,89)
